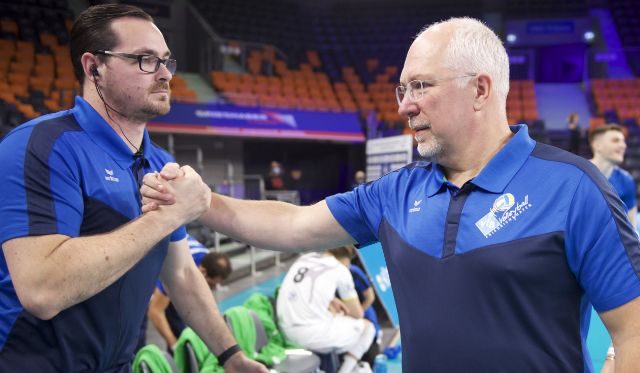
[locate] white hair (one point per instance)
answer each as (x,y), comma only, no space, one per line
(473,48)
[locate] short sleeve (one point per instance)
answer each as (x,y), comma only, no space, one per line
(179,234)
(602,248)
(345,287)
(40,186)
(360,211)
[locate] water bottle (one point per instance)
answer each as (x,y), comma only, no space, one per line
(380,364)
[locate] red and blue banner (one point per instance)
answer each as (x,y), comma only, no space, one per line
(228,120)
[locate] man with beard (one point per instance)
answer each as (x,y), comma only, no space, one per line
(494,249)
(80,259)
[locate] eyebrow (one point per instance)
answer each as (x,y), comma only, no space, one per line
(419,77)
(151,52)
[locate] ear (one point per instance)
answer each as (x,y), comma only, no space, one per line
(483,91)
(202,270)
(90,63)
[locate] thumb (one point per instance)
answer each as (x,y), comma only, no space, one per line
(171,171)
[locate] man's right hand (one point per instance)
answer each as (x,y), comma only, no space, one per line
(184,194)
(155,189)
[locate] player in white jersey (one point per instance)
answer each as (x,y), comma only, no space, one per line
(310,314)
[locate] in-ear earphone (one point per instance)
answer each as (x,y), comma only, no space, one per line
(94,71)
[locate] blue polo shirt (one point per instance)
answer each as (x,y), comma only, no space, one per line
(497,276)
(70,173)
(362,283)
(625,186)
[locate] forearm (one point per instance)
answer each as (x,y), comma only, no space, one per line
(627,355)
(74,269)
(197,307)
(367,303)
(159,320)
(275,225)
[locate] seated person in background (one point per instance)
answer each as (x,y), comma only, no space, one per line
(366,296)
(310,315)
(215,267)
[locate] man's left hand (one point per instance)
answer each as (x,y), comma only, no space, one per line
(239,363)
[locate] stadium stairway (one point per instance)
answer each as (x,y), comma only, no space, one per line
(618,68)
(203,89)
(557,100)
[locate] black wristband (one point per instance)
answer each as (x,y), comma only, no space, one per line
(223,357)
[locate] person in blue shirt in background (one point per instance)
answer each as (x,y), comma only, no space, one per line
(367,295)
(608,146)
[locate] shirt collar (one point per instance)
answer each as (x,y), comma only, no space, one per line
(103,134)
(497,174)
(436,179)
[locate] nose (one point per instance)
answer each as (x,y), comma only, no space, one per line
(163,73)
(407,107)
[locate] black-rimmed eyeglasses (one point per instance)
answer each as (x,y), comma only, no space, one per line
(148,63)
(415,89)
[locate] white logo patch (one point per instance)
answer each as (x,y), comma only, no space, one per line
(504,211)
(110,177)
(415,207)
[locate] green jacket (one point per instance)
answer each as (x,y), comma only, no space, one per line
(244,329)
(207,362)
(261,305)
(154,358)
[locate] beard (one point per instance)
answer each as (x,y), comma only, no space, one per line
(430,149)
(428,146)
(144,111)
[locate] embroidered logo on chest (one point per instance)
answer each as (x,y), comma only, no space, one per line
(416,206)
(504,211)
(109,176)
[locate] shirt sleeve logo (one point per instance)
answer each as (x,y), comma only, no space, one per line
(504,211)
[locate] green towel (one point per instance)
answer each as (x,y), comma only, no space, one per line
(207,362)
(154,358)
(261,305)
(244,330)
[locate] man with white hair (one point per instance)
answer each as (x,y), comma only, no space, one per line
(495,248)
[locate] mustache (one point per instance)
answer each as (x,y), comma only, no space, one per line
(161,86)
(416,126)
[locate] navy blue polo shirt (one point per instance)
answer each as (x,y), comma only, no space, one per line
(497,276)
(625,186)
(70,173)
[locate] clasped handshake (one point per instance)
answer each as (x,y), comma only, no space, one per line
(177,190)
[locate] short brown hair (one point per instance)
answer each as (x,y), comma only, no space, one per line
(595,132)
(344,252)
(216,265)
(92,31)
